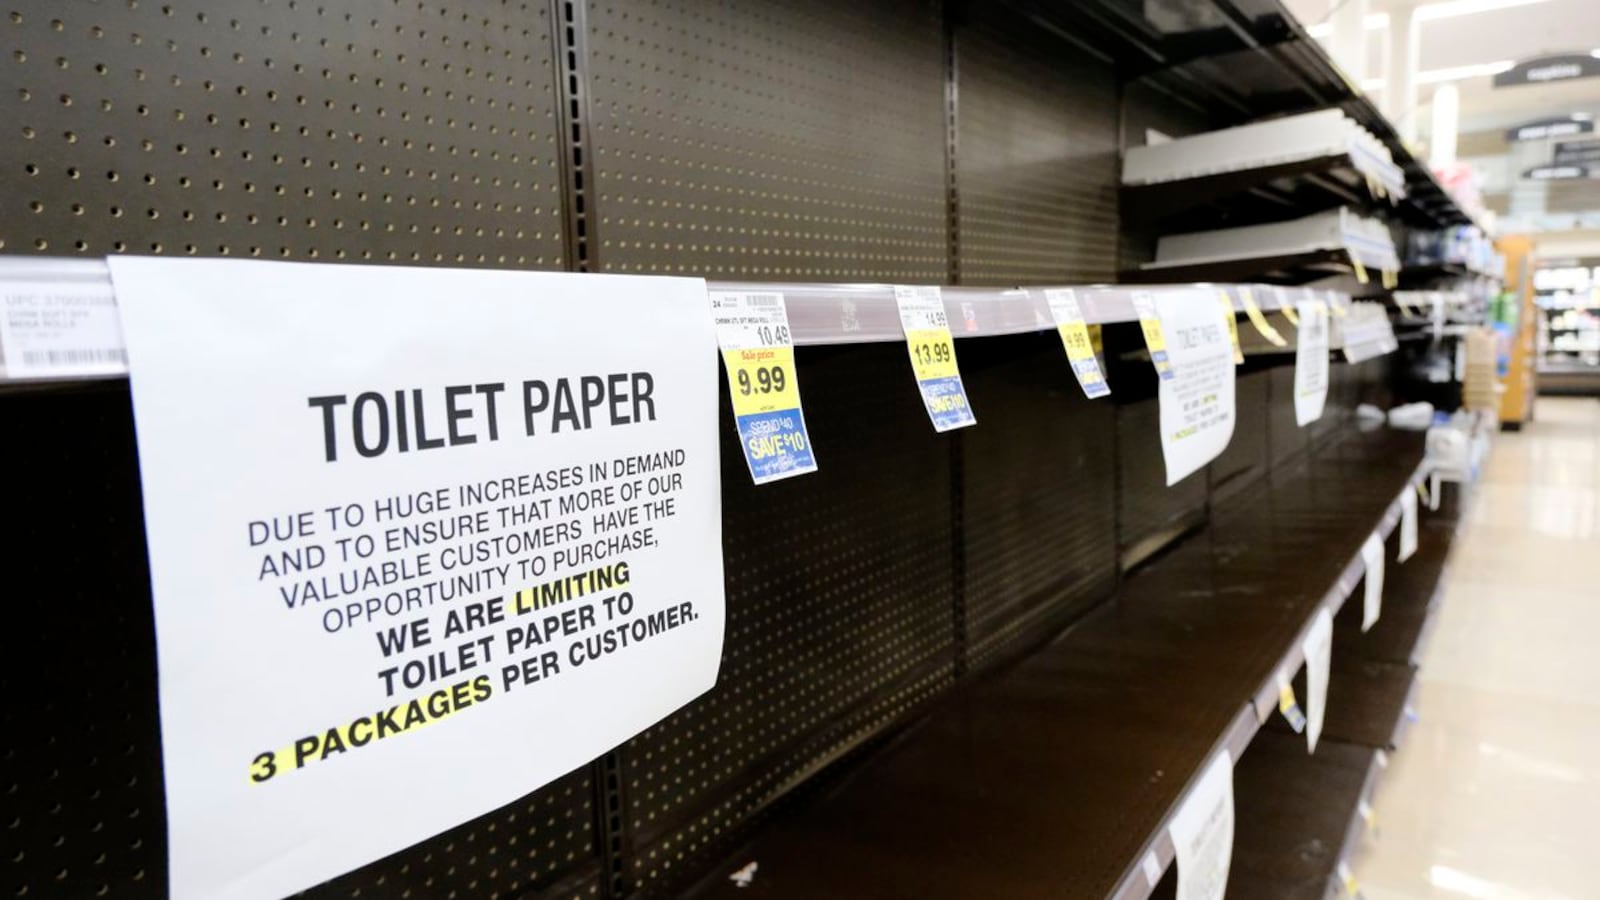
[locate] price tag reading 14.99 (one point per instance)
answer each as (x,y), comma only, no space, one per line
(753,332)
(933,356)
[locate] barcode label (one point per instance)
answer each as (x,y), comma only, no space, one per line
(56,330)
(110,356)
(763,299)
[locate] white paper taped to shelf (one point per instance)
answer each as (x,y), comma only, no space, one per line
(1197,401)
(1408,523)
(1202,832)
(1076,339)
(483,502)
(60,328)
(1372,599)
(1318,650)
(1311,362)
(758,353)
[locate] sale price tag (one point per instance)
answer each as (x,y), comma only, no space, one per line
(1408,524)
(1233,327)
(1080,343)
(1155,340)
(1262,326)
(933,356)
(1289,705)
(758,352)
(1372,599)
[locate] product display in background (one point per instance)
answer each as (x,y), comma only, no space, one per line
(435,563)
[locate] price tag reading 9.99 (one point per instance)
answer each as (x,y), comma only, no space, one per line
(758,352)
(766,380)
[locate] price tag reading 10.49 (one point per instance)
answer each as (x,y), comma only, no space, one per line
(753,332)
(933,356)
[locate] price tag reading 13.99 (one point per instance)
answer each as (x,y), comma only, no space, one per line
(753,332)
(933,356)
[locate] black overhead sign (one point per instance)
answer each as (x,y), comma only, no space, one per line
(1569,153)
(1539,129)
(1545,69)
(1558,173)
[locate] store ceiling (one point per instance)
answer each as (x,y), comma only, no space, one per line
(1465,46)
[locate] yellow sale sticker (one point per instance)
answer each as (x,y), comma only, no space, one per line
(1259,321)
(933,356)
(758,352)
(1082,344)
(1155,341)
(1233,326)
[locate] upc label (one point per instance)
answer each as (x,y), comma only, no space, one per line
(1154,340)
(933,356)
(1081,344)
(70,329)
(758,352)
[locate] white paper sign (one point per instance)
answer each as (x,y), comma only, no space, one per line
(1202,831)
(1408,523)
(55,329)
(1311,362)
(1197,403)
(1318,650)
(421,541)
(1372,600)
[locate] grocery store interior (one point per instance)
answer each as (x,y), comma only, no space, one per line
(800,448)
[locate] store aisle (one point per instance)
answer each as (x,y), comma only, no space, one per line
(1493,793)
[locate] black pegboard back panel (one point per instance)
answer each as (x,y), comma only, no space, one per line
(840,613)
(1246,458)
(1037,166)
(375,131)
(1286,439)
(1150,513)
(84,810)
(794,140)
(1039,504)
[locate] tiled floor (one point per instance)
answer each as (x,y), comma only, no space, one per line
(1495,793)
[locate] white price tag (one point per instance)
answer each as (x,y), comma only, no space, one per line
(1318,650)
(1152,869)
(1311,363)
(1372,599)
(1202,831)
(60,329)
(1408,523)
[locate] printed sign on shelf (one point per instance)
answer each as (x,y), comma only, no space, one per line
(59,329)
(1318,650)
(1202,833)
(933,356)
(1311,363)
(758,352)
(1372,600)
(421,541)
(1188,343)
(1408,523)
(1079,343)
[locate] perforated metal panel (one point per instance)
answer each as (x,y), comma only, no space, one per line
(364,130)
(1246,458)
(1037,161)
(1285,438)
(83,807)
(1039,502)
(839,613)
(790,140)
(1150,514)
